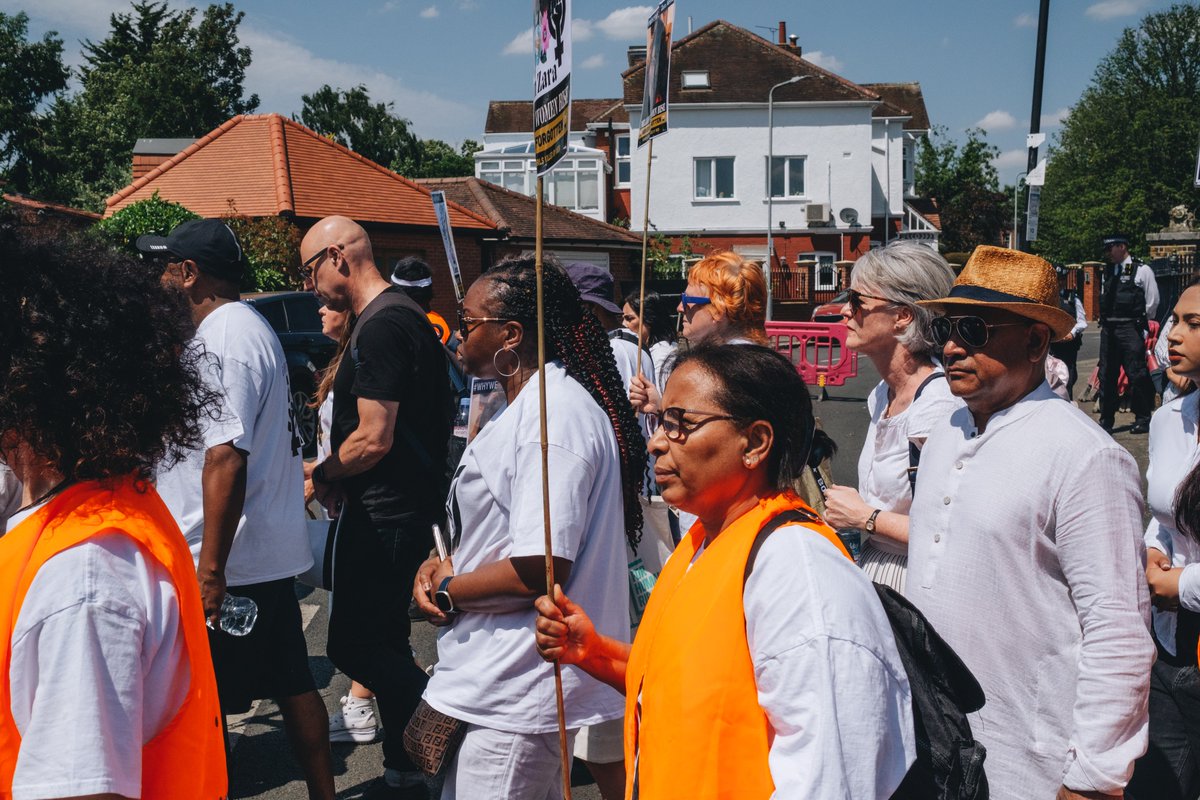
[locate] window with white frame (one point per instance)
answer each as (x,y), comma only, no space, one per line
(575,184)
(622,159)
(787,176)
(910,179)
(825,275)
(509,173)
(697,79)
(713,178)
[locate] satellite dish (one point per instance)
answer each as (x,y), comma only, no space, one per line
(848,216)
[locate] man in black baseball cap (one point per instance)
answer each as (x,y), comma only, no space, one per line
(209,243)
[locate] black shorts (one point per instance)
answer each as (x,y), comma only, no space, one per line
(269,662)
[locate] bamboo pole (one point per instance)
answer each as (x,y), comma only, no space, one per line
(541,334)
(645,241)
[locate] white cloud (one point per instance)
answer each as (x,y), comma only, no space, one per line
(521,45)
(1025,20)
(1055,119)
(824,60)
(1011,158)
(998,120)
(627,23)
(283,70)
(429,13)
(581,30)
(1110,9)
(593,62)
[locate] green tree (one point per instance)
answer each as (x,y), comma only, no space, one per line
(369,129)
(272,248)
(158,73)
(1126,153)
(965,185)
(439,160)
(150,216)
(30,72)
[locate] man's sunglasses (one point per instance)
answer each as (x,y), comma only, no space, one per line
(467,324)
(307,266)
(854,299)
(972,331)
(690,301)
(677,429)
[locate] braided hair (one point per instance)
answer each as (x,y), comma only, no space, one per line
(579,341)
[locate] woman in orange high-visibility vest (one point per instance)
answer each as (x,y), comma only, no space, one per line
(106,683)
(763,667)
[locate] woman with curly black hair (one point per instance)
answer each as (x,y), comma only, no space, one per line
(99,607)
(488,675)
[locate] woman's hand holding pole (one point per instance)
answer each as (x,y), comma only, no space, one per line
(565,634)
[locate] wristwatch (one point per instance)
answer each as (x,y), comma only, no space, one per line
(870,526)
(442,598)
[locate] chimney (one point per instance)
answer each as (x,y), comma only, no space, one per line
(794,43)
(150,153)
(783,33)
(636,54)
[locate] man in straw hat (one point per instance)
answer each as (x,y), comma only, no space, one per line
(1033,576)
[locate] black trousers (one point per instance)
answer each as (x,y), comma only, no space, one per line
(1122,344)
(1069,353)
(373,571)
(1170,769)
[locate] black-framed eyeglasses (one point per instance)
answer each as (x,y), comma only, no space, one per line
(466,324)
(854,299)
(677,428)
(690,301)
(306,268)
(971,330)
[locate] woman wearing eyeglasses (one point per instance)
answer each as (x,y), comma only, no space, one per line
(739,620)
(487,674)
(885,324)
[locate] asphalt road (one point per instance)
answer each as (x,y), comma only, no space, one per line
(262,765)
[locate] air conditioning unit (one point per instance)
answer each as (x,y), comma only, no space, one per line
(816,212)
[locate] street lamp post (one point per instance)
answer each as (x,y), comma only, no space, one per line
(1015,241)
(770,193)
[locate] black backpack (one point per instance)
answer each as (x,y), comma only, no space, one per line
(949,763)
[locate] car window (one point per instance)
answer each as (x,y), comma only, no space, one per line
(273,311)
(302,313)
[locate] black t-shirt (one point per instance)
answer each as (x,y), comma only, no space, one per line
(396,356)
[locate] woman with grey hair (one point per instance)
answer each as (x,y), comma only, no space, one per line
(887,326)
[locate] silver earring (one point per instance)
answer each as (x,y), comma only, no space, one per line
(516,369)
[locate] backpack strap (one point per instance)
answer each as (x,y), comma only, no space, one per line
(794,515)
(914,452)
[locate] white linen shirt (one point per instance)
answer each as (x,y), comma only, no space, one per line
(1173,453)
(1026,555)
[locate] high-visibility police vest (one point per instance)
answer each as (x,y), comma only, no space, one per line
(1123,299)
(186,760)
(698,731)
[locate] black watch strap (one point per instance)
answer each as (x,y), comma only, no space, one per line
(442,598)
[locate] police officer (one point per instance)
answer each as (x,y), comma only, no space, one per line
(1129,299)
(1067,348)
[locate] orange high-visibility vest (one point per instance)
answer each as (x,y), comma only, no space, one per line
(699,732)
(186,760)
(439,325)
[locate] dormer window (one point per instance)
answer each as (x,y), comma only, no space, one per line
(695,80)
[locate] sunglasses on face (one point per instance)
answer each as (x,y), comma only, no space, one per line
(690,301)
(677,428)
(308,267)
(466,324)
(971,331)
(854,299)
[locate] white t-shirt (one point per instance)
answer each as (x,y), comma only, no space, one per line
(883,462)
(10,494)
(828,673)
(488,671)
(247,366)
(663,354)
(98,669)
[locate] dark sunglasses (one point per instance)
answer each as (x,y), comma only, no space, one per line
(690,301)
(971,331)
(467,324)
(854,299)
(677,429)
(307,266)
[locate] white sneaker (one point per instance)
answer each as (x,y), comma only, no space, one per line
(355,722)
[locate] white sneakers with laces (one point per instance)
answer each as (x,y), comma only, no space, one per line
(355,722)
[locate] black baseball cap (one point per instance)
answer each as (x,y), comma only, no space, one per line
(595,285)
(209,242)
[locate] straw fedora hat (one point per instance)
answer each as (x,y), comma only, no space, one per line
(1022,283)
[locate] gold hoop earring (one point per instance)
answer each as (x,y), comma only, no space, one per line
(499,371)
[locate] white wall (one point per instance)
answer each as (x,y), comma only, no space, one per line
(836,139)
(883,132)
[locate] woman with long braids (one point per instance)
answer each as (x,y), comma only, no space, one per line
(1170,769)
(488,675)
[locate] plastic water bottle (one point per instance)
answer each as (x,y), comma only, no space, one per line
(238,615)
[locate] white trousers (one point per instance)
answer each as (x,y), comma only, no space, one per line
(514,766)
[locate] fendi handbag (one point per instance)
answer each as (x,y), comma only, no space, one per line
(431,738)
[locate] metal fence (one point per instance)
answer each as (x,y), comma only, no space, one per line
(807,282)
(1172,275)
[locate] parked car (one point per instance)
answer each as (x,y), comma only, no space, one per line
(295,320)
(831,311)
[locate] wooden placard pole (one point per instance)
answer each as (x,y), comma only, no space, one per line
(645,241)
(545,442)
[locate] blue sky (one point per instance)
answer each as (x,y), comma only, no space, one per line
(441,61)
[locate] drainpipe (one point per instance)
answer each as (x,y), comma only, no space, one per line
(887,166)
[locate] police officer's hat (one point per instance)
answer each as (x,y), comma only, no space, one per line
(1115,238)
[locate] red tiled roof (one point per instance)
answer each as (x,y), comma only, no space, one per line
(742,67)
(514,213)
(266,164)
(904,96)
(41,205)
(516,116)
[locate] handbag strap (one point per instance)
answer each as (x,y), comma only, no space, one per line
(914,452)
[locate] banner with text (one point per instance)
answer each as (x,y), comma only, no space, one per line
(658,72)
(443,218)
(551,81)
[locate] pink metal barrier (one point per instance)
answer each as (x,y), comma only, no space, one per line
(818,349)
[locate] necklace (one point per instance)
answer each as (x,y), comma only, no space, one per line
(46,496)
